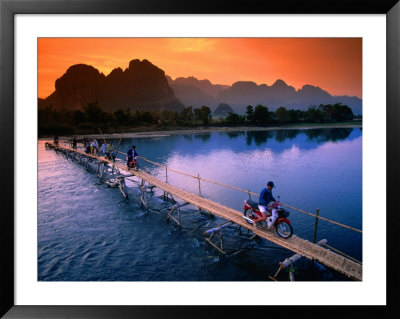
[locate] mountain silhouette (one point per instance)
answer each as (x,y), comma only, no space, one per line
(195,93)
(222,110)
(142,86)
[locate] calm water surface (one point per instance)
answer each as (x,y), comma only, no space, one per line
(87,231)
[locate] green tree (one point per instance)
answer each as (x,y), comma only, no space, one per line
(282,115)
(121,116)
(78,117)
(262,115)
(186,116)
(295,116)
(203,115)
(233,118)
(250,115)
(94,113)
(342,113)
(315,115)
(337,112)
(168,117)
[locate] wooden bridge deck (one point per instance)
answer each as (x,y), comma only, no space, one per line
(296,244)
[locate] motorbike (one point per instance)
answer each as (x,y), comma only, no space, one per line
(133,164)
(281,224)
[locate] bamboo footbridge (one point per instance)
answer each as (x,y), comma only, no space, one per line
(329,257)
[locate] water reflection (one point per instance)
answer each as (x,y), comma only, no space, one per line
(259,137)
(235,134)
(318,135)
(282,135)
(203,136)
(325,135)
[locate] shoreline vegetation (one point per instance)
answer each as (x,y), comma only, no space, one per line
(140,132)
(90,119)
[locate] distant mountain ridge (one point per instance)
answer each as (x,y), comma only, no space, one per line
(142,86)
(242,93)
(223,110)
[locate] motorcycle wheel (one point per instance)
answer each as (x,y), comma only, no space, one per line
(249,214)
(284,230)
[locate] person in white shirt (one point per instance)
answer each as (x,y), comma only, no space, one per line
(95,147)
(104,148)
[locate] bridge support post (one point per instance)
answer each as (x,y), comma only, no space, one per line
(212,232)
(166,178)
(198,177)
(220,249)
(99,172)
(316,226)
(176,208)
(289,262)
(87,163)
(122,186)
(276,274)
(143,201)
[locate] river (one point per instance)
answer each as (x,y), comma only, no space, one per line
(89,232)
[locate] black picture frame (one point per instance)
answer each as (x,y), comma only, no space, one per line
(8,9)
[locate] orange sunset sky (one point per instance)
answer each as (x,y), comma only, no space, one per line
(334,64)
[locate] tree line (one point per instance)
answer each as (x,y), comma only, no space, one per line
(324,113)
(93,116)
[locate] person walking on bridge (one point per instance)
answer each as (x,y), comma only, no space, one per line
(94,148)
(87,146)
(111,151)
(104,148)
(74,143)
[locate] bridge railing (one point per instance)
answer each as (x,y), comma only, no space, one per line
(316,216)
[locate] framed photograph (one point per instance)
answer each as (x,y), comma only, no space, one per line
(51,54)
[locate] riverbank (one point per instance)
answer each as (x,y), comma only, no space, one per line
(152,132)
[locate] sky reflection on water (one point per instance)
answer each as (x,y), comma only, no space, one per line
(89,232)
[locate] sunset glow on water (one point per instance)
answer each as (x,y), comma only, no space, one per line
(87,231)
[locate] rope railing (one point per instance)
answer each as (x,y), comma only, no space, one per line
(248,192)
(342,253)
(323,218)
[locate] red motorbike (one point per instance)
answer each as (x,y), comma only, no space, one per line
(281,224)
(133,164)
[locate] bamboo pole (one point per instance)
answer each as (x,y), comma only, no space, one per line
(198,176)
(215,246)
(276,274)
(316,226)
(102,135)
(199,184)
(166,177)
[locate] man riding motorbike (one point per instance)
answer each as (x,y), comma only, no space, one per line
(131,156)
(265,198)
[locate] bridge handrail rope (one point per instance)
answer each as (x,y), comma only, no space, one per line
(342,253)
(247,192)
